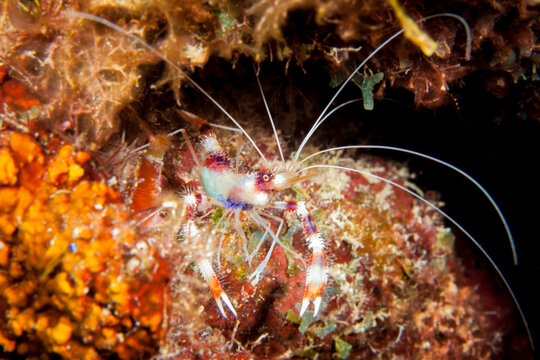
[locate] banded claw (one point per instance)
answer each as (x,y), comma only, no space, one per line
(220,296)
(315,281)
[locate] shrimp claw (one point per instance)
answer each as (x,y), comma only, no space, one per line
(315,281)
(211,278)
(317,273)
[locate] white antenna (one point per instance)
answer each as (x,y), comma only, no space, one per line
(322,116)
(78,14)
(442,162)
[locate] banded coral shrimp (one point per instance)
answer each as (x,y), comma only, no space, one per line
(376,315)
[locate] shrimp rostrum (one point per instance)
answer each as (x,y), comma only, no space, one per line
(388,273)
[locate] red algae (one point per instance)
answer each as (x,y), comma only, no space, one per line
(13,95)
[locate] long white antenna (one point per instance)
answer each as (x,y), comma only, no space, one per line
(271,120)
(442,162)
(78,14)
(365,173)
(322,117)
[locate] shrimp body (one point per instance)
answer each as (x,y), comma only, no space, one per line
(234,190)
(224,184)
(251,191)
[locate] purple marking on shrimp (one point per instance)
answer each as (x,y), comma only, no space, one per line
(235,204)
(291,205)
(310,225)
(217,160)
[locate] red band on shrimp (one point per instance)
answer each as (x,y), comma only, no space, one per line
(217,161)
(291,205)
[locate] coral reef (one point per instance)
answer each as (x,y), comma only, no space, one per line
(90,224)
(71,281)
(397,288)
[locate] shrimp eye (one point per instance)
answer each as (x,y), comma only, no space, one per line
(263,181)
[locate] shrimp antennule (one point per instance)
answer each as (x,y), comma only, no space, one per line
(83,15)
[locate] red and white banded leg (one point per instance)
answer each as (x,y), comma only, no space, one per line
(205,267)
(317,273)
(205,264)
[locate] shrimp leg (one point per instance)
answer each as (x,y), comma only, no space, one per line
(205,263)
(317,272)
